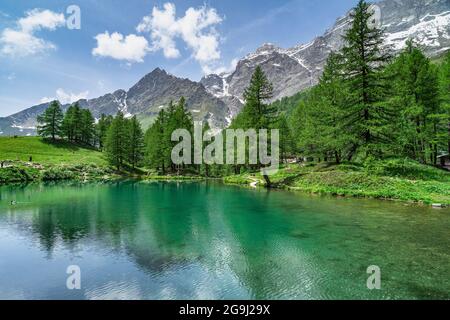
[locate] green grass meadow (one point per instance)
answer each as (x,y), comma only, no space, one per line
(48,153)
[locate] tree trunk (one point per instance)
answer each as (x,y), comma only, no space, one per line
(338,158)
(268,183)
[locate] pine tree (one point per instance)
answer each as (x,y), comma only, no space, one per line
(136,143)
(257,114)
(415,95)
(444,79)
(87,127)
(67,123)
(117,141)
(156,144)
(205,166)
(367,116)
(102,128)
(178,118)
(72,124)
(286,139)
(320,118)
(50,122)
(329,111)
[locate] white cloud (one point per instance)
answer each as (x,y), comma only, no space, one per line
(195,28)
(131,48)
(41,19)
(163,28)
(66,97)
(21,41)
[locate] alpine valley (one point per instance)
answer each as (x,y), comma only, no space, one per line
(219,98)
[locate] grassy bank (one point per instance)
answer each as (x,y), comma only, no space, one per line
(154,177)
(391,179)
(49,161)
(48,153)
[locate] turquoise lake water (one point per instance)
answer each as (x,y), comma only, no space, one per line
(135,240)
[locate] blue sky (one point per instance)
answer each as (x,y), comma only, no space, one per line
(41,59)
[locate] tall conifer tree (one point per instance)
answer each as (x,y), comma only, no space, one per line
(50,122)
(364,59)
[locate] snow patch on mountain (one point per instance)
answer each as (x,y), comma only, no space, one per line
(426,33)
(123,106)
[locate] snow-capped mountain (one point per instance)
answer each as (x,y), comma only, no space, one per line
(145,99)
(291,70)
(219,98)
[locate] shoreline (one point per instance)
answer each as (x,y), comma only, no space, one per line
(286,181)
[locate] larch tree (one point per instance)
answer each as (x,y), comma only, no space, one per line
(136,142)
(367,116)
(50,122)
(117,141)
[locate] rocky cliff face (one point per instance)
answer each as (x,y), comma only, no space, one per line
(291,70)
(145,99)
(218,98)
(158,88)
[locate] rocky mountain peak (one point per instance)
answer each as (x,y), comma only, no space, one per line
(426,22)
(267,48)
(218,98)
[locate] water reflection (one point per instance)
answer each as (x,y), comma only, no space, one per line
(203,240)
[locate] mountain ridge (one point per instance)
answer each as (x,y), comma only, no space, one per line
(219,98)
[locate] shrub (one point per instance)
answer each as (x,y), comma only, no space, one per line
(18,174)
(54,174)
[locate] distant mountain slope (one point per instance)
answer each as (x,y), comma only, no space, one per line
(145,99)
(158,88)
(218,98)
(291,70)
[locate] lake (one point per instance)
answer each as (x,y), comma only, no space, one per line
(138,240)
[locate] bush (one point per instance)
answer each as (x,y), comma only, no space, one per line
(18,174)
(54,174)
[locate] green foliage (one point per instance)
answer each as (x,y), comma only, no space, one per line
(394,179)
(102,129)
(18,173)
(256,113)
(287,142)
(50,122)
(53,161)
(405,168)
(87,127)
(136,146)
(79,125)
(241,179)
(368,106)
(366,119)
(72,123)
(287,105)
(117,141)
(57,174)
(415,96)
(156,144)
(444,77)
(158,137)
(321,117)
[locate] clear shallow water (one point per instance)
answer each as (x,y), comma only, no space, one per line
(208,241)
